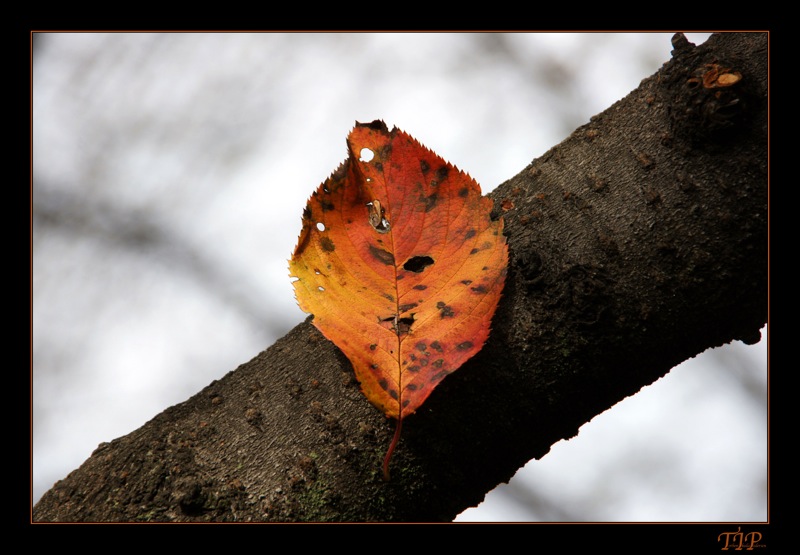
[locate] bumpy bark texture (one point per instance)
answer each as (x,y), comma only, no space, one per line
(637,243)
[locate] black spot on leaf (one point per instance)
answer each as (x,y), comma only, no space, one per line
(326,244)
(417,264)
(444,310)
(376,124)
(382,256)
(429,202)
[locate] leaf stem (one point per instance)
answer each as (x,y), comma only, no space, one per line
(392,445)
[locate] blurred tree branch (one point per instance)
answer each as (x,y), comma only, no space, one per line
(139,232)
(637,243)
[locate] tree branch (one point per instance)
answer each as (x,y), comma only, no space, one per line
(637,243)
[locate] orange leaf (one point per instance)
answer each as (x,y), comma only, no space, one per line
(401,265)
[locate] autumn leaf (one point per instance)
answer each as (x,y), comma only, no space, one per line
(402,266)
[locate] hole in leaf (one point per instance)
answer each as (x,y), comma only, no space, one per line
(366,155)
(320,226)
(417,263)
(377,218)
(403,325)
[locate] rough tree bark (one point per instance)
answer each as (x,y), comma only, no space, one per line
(637,243)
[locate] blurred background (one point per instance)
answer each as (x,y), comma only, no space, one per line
(170,172)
